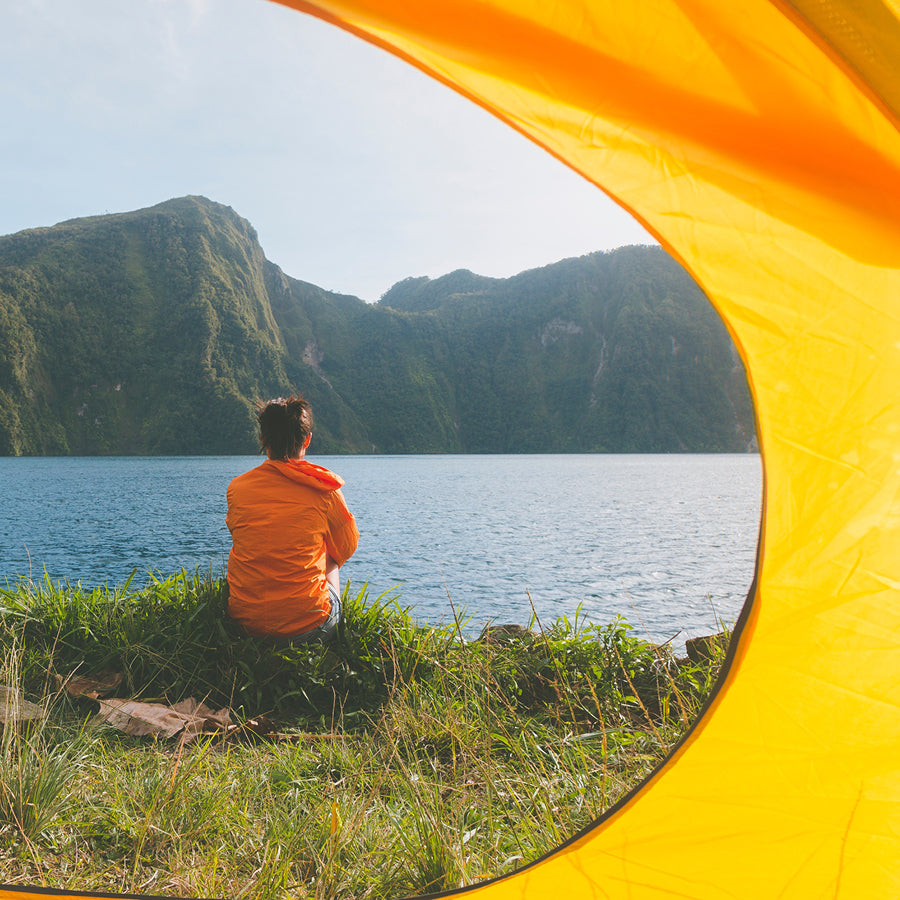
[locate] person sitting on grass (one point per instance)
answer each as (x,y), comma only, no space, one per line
(291,532)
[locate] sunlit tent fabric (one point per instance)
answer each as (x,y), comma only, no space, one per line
(758,140)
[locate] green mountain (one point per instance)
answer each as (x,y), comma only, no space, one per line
(156,331)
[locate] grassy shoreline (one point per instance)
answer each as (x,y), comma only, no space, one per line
(407,760)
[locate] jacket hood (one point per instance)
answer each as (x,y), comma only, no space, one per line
(307,473)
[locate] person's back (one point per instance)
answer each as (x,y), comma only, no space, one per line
(291,531)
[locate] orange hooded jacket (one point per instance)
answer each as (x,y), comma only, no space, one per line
(285,519)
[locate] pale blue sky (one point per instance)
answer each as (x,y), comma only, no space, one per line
(355,169)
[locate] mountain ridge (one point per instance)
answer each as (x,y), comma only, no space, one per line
(155,331)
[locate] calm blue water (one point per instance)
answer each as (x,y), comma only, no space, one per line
(669,542)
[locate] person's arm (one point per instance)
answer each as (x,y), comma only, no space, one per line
(342,537)
(333,573)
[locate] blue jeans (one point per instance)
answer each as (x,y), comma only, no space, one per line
(325,631)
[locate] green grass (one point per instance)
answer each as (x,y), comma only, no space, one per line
(415,761)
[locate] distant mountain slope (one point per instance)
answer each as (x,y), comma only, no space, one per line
(155,331)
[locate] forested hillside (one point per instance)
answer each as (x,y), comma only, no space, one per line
(156,331)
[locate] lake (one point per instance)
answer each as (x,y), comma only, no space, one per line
(667,541)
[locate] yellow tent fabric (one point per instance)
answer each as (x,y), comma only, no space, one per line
(758,140)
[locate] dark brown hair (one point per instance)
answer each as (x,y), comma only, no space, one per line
(284,425)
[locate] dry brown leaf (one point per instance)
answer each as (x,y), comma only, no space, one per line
(15,708)
(203,719)
(94,686)
(188,718)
